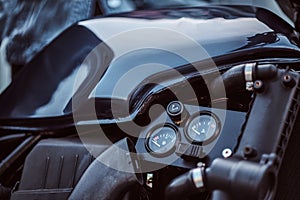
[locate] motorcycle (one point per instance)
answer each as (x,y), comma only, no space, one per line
(197,102)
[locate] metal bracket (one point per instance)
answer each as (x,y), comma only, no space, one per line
(248,71)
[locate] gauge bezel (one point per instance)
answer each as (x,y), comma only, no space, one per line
(209,140)
(148,136)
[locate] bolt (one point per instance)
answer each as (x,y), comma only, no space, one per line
(258,86)
(288,81)
(226,153)
(249,152)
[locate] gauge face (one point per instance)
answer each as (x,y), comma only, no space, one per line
(162,140)
(204,128)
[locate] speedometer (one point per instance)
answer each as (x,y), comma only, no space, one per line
(203,128)
(162,140)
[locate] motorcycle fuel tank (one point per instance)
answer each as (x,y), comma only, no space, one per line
(45,88)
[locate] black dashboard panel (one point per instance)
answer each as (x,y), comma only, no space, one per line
(166,140)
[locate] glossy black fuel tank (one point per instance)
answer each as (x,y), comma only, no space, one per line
(44,89)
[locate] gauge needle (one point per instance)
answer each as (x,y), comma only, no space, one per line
(198,133)
(156,143)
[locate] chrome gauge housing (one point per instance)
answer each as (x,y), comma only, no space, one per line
(162,140)
(203,128)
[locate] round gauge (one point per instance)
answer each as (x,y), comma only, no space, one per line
(203,128)
(162,140)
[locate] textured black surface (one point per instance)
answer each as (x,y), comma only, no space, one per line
(54,167)
(289,174)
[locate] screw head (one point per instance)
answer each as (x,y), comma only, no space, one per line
(288,81)
(226,153)
(249,152)
(258,86)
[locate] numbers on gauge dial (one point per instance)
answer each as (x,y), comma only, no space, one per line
(202,128)
(162,140)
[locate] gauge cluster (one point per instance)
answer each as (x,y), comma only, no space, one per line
(186,134)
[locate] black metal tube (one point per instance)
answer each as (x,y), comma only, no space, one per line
(18,152)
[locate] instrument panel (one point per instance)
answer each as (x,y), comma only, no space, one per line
(185,134)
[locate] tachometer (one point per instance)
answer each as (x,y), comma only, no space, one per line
(203,128)
(162,140)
